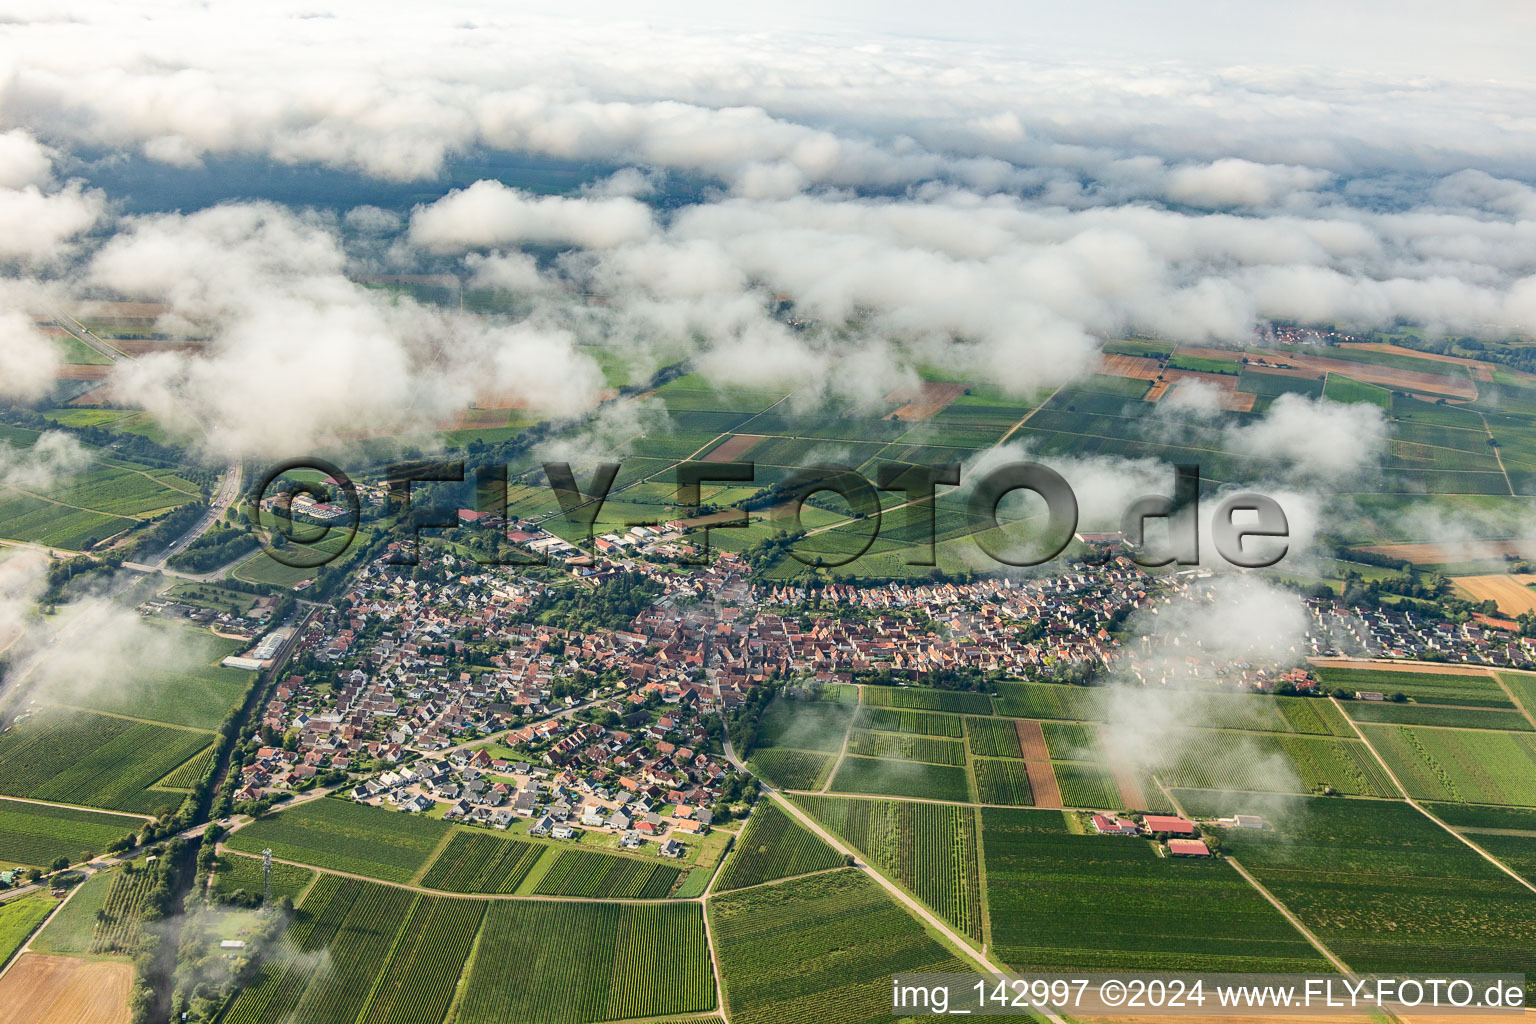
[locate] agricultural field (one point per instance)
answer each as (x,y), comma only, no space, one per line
(1465,765)
(886,777)
(1467,816)
(905,747)
(197,693)
(474,862)
(953,701)
(791,769)
(594,875)
(33,835)
(1468,690)
(580,962)
(1388,890)
(1086,785)
(930,849)
(1071,741)
(189,771)
(1000,781)
(236,872)
(1050,700)
(804,725)
(80,757)
(64,990)
(1339,388)
(993,737)
(1272,763)
(345,836)
(1523,686)
(1517,852)
(818,949)
(350,923)
(1386,713)
(774,845)
(19,918)
(117,924)
(1059,901)
(917,723)
(419,978)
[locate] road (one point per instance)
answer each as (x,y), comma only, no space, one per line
(229,490)
(83,335)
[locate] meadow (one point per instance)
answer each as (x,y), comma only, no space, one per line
(19,918)
(774,846)
(818,949)
(1060,902)
(886,777)
(34,835)
(345,836)
(1470,766)
(70,931)
(930,849)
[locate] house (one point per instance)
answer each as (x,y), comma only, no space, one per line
(1167,823)
(563,832)
(541,827)
(672,848)
(1188,848)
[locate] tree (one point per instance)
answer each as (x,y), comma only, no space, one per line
(59,864)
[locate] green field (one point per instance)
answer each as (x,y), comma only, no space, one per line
(1086,785)
(475,862)
(930,849)
(34,835)
(1339,388)
(886,777)
(1064,902)
(1430,714)
(579,962)
(236,872)
(1425,687)
(345,836)
(390,956)
(916,722)
(1471,766)
(774,846)
(1002,782)
(1271,763)
(1050,700)
(804,725)
(199,693)
(992,737)
(594,875)
(1389,891)
(1483,816)
(791,769)
(954,701)
(18,919)
(70,931)
(118,923)
(79,757)
(906,747)
(818,949)
(1071,741)
(1518,852)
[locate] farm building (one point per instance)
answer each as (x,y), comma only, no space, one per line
(1169,823)
(1241,821)
(1188,848)
(1115,826)
(1369,695)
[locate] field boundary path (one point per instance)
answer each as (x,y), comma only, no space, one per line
(1295,921)
(1490,858)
